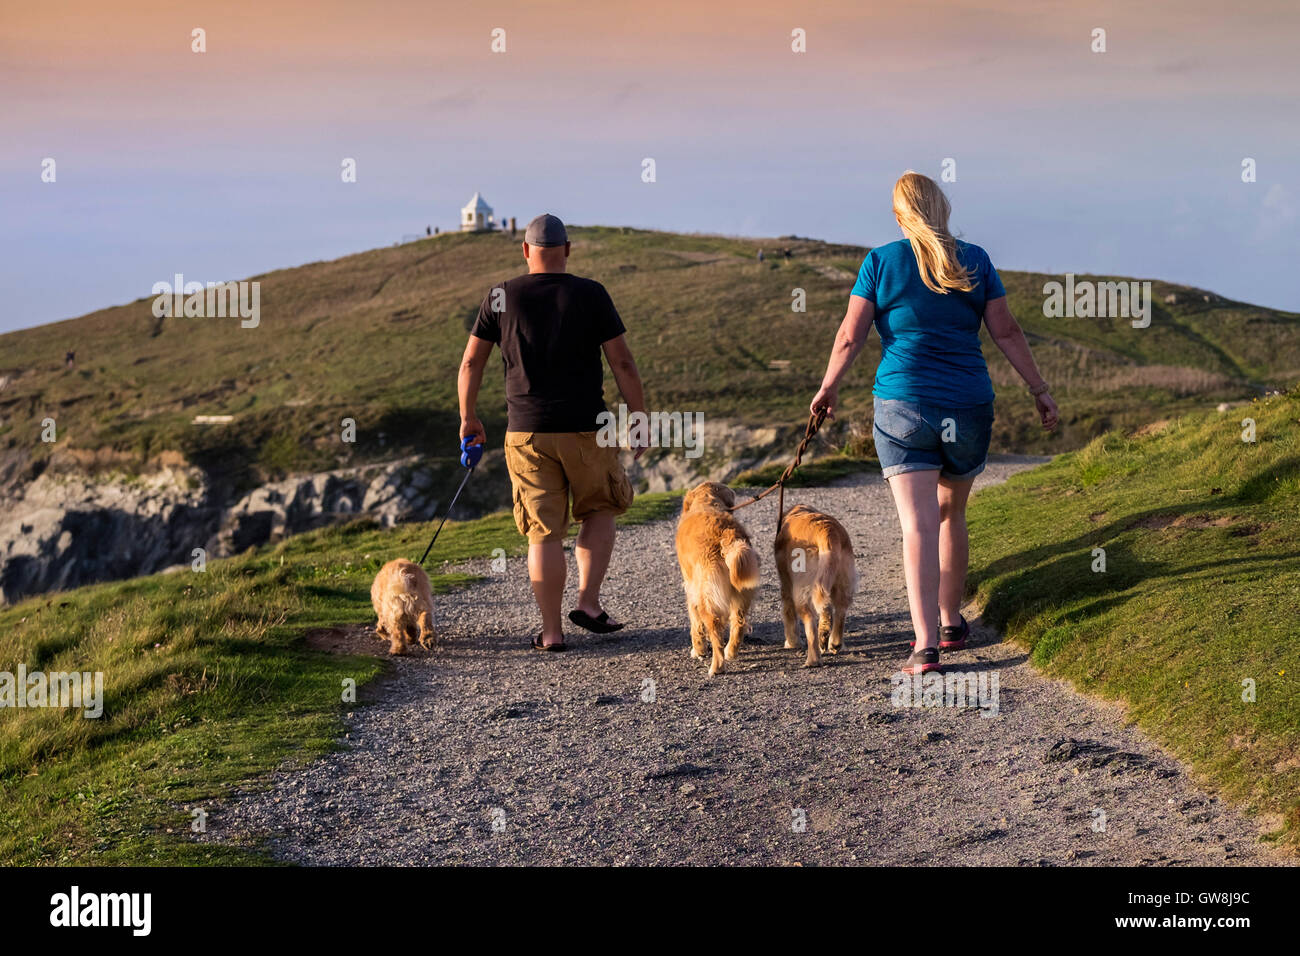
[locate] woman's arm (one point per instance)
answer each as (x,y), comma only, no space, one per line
(1010,338)
(848,343)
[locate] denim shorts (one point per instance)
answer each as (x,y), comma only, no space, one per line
(913,437)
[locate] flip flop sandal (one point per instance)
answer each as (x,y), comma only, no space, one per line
(597,625)
(923,661)
(539,646)
(954,637)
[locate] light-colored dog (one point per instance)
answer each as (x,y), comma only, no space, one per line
(814,560)
(719,570)
(403,602)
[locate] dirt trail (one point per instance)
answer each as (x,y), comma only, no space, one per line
(623,751)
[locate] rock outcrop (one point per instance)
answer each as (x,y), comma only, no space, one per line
(65,529)
(81,521)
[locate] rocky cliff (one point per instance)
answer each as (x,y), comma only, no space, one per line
(79,521)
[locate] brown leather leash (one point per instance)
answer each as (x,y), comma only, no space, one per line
(815,420)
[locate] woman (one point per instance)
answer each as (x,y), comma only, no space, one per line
(927,294)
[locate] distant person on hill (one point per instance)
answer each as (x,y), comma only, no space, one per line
(927,295)
(552,327)
(69,360)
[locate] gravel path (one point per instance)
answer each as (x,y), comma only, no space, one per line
(623,751)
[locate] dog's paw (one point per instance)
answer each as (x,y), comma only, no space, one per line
(790,645)
(730,654)
(695,655)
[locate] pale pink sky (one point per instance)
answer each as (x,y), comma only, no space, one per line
(226,164)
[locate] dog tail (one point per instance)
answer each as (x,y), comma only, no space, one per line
(741,560)
(831,572)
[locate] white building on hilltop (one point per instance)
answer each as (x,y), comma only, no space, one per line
(477,216)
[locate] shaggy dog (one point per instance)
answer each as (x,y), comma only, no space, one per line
(404,604)
(719,570)
(814,559)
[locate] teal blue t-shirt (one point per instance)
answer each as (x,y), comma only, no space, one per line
(930,343)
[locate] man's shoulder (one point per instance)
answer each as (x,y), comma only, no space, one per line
(569,278)
(587,285)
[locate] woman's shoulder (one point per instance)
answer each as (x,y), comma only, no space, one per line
(970,250)
(890,251)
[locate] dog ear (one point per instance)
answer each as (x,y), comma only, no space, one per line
(728,496)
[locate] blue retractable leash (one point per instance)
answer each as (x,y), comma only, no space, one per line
(469,457)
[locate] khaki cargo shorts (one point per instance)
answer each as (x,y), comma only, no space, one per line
(546,467)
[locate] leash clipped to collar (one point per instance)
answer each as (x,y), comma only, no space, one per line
(470,454)
(815,421)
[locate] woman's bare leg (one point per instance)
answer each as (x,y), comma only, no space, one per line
(917,500)
(954,548)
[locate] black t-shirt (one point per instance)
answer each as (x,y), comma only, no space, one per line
(550,326)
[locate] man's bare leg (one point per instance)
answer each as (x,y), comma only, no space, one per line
(546,571)
(593,550)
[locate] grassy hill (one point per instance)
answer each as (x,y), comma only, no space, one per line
(376,337)
(1194,623)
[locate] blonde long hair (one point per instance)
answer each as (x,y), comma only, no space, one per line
(922,210)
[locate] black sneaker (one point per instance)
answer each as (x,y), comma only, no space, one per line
(954,637)
(923,661)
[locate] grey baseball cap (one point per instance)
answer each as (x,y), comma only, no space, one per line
(546,230)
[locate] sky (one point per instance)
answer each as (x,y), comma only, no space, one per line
(227,163)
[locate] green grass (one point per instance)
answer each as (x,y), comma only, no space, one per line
(1201,589)
(208,684)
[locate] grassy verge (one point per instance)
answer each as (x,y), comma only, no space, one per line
(208,684)
(1199,600)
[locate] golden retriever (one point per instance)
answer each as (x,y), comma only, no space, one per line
(814,560)
(719,570)
(403,602)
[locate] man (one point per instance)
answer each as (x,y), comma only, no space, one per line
(551,327)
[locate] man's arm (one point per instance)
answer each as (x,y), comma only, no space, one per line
(467,385)
(623,365)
